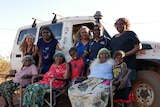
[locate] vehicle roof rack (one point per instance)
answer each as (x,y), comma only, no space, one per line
(54,18)
(34,23)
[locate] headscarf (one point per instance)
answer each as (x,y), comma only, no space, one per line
(104,49)
(110,60)
(30,57)
(60,53)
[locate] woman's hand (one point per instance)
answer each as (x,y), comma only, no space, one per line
(26,76)
(36,78)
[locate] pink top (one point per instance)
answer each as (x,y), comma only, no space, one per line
(30,70)
(54,72)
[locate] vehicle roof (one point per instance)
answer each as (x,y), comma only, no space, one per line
(72,19)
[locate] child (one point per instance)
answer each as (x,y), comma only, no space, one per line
(77,64)
(123,91)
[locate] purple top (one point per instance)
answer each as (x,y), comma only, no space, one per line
(30,70)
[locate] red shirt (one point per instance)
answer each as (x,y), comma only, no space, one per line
(54,72)
(77,68)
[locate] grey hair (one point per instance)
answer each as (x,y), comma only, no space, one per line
(28,56)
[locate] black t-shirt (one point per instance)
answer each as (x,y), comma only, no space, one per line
(94,46)
(126,42)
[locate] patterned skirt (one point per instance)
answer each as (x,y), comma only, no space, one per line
(93,92)
(34,95)
(7,89)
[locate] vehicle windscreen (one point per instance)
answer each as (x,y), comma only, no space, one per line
(56,29)
(24,32)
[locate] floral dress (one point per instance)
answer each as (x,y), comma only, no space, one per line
(34,94)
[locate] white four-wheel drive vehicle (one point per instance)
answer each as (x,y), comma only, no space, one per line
(147,86)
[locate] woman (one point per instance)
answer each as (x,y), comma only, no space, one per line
(94,91)
(47,46)
(27,47)
(22,77)
(127,41)
(84,37)
(34,94)
(95,44)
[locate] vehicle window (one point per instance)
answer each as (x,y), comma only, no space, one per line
(76,27)
(24,32)
(56,30)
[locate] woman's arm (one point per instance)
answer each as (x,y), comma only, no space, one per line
(67,73)
(58,47)
(136,48)
(39,61)
(36,51)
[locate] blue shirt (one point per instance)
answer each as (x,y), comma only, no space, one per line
(94,46)
(47,50)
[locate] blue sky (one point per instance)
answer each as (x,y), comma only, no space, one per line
(143,15)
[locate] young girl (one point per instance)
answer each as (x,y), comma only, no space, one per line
(123,91)
(76,64)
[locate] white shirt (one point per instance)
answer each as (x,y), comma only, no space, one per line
(102,70)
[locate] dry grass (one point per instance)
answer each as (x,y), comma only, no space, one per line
(4,69)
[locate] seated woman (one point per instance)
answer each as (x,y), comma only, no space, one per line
(94,91)
(34,94)
(7,88)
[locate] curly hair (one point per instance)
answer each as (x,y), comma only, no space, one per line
(125,21)
(23,45)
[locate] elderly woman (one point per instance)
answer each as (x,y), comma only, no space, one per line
(94,91)
(7,88)
(34,95)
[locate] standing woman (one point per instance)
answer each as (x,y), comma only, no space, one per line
(27,47)
(96,43)
(127,41)
(46,46)
(84,37)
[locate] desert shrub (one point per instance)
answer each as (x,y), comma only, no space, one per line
(4,65)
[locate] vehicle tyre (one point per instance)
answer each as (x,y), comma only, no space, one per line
(146,89)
